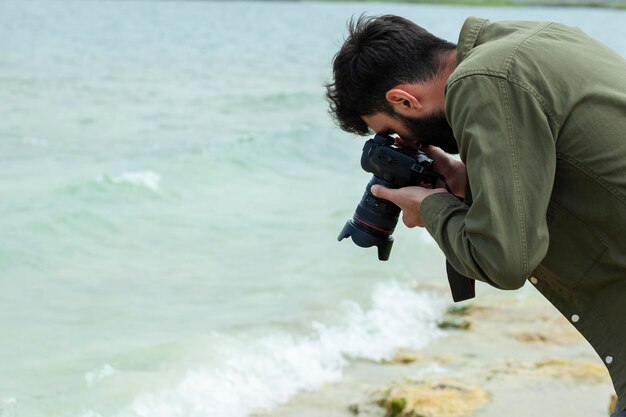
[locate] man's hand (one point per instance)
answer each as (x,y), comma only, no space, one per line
(409,199)
(452,170)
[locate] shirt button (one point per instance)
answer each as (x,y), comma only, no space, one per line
(534,280)
(575,318)
(608,359)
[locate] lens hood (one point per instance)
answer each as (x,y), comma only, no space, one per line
(365,239)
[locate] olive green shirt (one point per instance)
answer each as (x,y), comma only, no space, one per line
(539,114)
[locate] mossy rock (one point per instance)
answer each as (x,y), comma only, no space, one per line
(404,356)
(437,399)
(460,310)
(354,409)
(454,323)
(576,369)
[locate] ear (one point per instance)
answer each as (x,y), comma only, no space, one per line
(402,101)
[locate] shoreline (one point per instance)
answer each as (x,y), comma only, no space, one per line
(617,5)
(512,354)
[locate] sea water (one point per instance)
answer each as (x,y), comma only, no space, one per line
(171,191)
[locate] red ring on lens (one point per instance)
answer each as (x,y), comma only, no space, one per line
(371,226)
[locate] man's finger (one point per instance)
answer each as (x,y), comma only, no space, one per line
(382,192)
(436,154)
(405,144)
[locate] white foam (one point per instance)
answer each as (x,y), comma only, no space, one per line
(96,375)
(9,400)
(8,406)
(148,179)
(260,375)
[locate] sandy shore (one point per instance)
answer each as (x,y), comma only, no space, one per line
(508,354)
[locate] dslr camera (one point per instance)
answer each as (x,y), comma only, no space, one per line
(375,219)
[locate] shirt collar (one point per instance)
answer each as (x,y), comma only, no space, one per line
(467,38)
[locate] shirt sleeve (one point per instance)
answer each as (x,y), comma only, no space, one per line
(507,144)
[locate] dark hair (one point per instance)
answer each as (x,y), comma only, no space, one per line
(379,53)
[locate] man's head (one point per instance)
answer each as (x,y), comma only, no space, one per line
(389,77)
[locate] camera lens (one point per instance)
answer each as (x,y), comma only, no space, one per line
(373,222)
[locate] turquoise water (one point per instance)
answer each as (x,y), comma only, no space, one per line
(171,190)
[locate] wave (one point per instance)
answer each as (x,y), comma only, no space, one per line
(259,375)
(96,375)
(147,179)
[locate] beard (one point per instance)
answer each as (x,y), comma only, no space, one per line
(433,129)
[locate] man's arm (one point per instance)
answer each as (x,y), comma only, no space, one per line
(507,144)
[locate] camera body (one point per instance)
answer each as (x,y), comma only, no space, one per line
(375,219)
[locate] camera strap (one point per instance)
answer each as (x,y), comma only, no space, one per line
(462,287)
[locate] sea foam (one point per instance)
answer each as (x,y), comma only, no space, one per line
(95,375)
(258,375)
(147,179)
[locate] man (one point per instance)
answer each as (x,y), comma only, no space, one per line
(537,112)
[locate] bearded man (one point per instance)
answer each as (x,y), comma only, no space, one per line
(537,112)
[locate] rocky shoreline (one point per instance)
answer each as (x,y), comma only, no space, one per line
(507,354)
